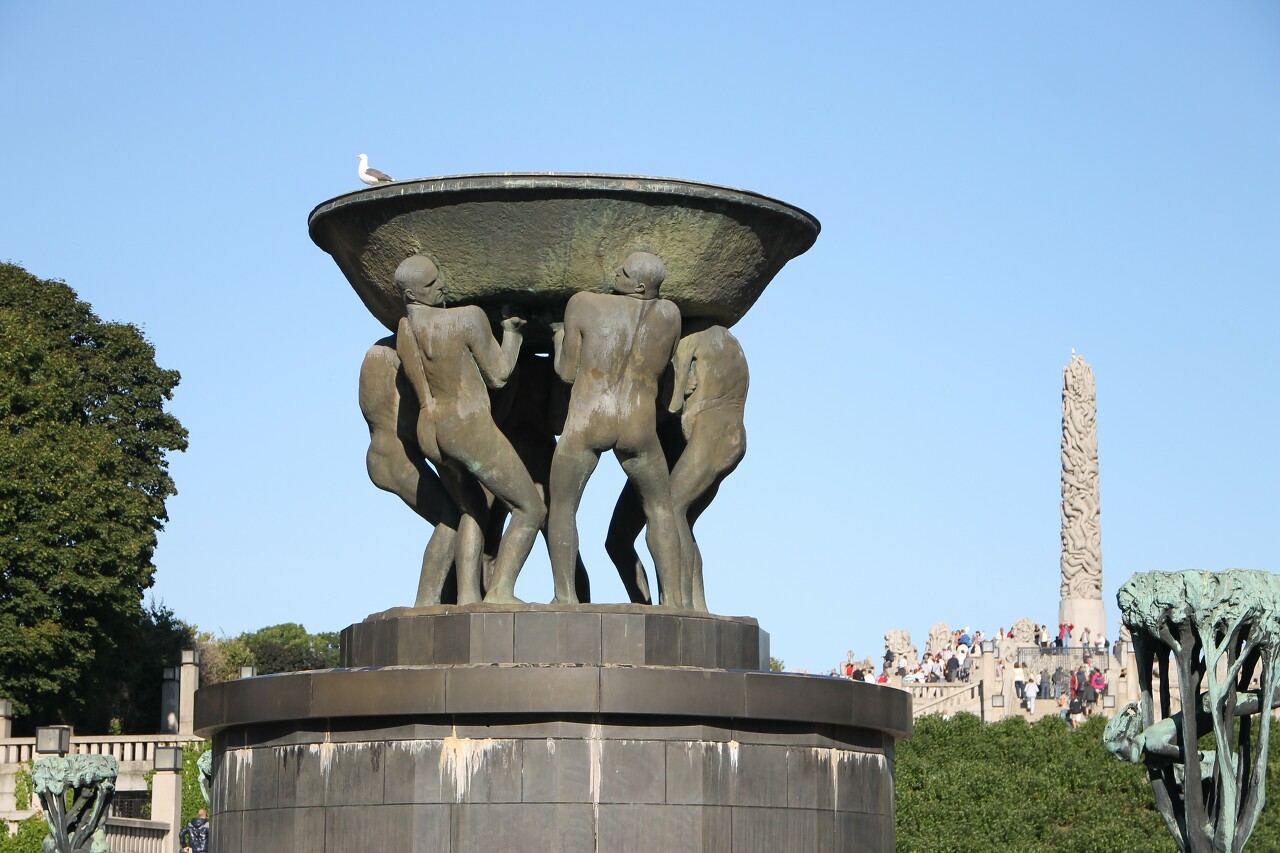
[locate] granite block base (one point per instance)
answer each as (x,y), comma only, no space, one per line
(467,758)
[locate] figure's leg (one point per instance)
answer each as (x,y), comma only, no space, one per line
(620,543)
(647,470)
(703,501)
(571,466)
(500,470)
(469,541)
(437,559)
(715,448)
(536,451)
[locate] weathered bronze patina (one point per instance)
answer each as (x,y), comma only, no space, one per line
(1222,630)
(568,266)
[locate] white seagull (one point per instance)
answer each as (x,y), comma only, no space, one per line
(372,177)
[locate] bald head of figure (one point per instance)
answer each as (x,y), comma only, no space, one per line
(418,281)
(640,275)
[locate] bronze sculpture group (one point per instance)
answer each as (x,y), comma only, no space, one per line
(463,429)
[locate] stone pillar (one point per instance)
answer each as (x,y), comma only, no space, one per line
(1081,603)
(169,701)
(166,805)
(987,675)
(189,680)
(6,718)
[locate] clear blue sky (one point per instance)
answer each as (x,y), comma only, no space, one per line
(997,184)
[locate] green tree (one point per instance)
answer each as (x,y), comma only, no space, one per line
(83,442)
(222,657)
(289,648)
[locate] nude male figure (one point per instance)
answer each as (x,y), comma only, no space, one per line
(530,411)
(450,356)
(710,394)
(613,350)
(396,463)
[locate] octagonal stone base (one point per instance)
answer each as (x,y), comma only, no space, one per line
(551,757)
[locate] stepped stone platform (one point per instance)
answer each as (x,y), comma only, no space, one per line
(461,729)
(597,635)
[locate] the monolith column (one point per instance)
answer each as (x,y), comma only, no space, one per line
(1081,603)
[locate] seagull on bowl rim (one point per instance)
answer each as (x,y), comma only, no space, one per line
(372,177)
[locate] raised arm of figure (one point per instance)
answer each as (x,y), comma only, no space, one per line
(567,341)
(685,379)
(495,363)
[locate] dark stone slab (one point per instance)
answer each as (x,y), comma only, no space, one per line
(661,640)
(522,690)
(286,830)
(589,635)
(863,833)
(413,774)
(622,639)
(300,780)
(452,640)
(761,775)
(492,637)
(633,771)
(399,827)
(353,773)
(701,693)
(750,699)
(556,770)
(392,691)
(762,830)
(669,829)
(229,837)
(529,828)
(416,640)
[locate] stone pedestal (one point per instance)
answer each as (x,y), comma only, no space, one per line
(542,729)
(1084,613)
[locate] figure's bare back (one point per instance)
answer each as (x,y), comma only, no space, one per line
(626,343)
(444,337)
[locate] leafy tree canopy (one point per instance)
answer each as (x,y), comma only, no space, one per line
(83,442)
(277,648)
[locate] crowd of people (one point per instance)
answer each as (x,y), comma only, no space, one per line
(1077,689)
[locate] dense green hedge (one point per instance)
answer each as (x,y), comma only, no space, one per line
(28,837)
(962,785)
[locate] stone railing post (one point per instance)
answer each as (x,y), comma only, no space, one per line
(6,719)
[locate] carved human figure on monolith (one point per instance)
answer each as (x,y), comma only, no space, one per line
(1081,561)
(450,356)
(398,465)
(897,643)
(709,394)
(613,350)
(940,637)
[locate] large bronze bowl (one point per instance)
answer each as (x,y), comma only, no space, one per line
(533,240)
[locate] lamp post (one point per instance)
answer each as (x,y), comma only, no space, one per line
(166,792)
(53,740)
(169,701)
(189,680)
